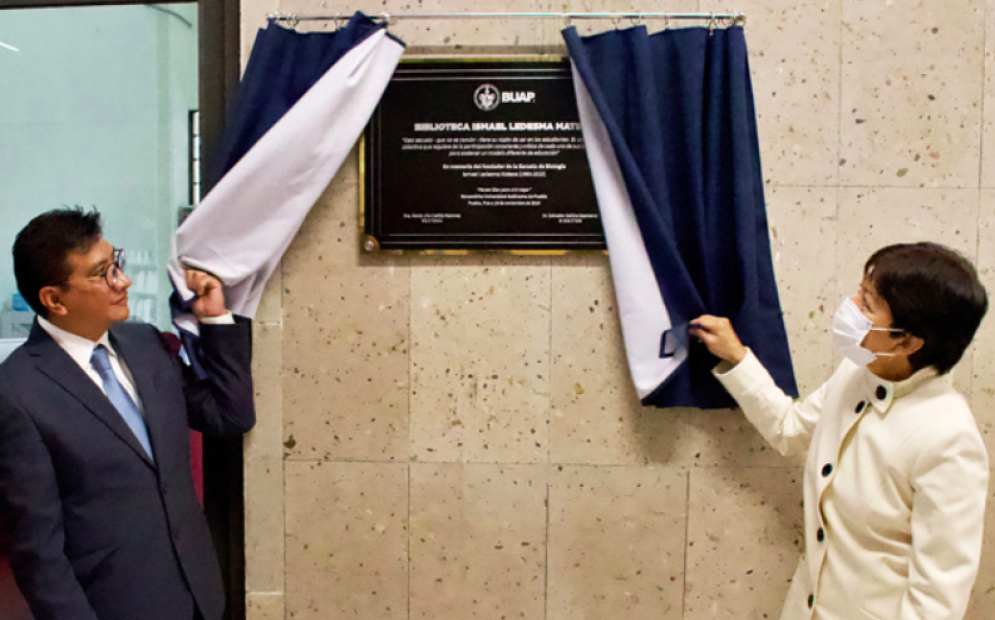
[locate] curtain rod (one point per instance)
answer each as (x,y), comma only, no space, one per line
(713,18)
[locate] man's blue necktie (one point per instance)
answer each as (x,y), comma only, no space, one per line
(120,398)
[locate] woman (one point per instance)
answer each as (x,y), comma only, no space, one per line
(897,473)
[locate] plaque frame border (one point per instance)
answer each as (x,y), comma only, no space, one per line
(371,245)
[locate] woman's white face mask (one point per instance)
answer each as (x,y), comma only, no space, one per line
(850,327)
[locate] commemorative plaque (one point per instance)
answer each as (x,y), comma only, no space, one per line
(478,155)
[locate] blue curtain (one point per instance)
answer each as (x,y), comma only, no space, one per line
(303,102)
(676,112)
(284,64)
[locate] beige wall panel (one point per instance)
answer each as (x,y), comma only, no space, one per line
(745,536)
(270,308)
(264,525)
(263,466)
(264,440)
(329,238)
(983,596)
(478,541)
(345,347)
(480,359)
(347,540)
(597,417)
(794,61)
(872,218)
(454,33)
(803,246)
(616,543)
(346,344)
(983,380)
(988,143)
(725,438)
(912,93)
(264,606)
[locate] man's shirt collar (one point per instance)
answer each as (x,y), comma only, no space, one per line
(78,347)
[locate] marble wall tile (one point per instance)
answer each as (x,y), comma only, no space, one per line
(347,540)
(794,61)
(265,606)
(596,414)
(263,466)
(270,309)
(480,359)
(983,596)
(444,34)
(267,378)
(871,218)
(478,541)
(988,136)
(347,398)
(616,542)
(331,234)
(745,536)
(725,438)
(912,97)
(803,244)
(982,396)
(264,524)
(345,346)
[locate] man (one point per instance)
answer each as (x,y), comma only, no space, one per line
(96,495)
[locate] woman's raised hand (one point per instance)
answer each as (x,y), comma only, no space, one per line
(719,336)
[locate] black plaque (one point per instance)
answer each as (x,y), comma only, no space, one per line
(479,155)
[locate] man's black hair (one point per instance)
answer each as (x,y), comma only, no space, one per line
(934,293)
(42,248)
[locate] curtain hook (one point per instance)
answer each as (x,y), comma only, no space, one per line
(637,19)
(293,20)
(274,16)
(666,21)
(567,22)
(386,20)
(616,21)
(711,23)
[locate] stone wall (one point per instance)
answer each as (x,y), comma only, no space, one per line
(450,437)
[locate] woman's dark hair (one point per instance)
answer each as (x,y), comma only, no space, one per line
(934,293)
(42,247)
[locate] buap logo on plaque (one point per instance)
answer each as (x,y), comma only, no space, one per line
(487,97)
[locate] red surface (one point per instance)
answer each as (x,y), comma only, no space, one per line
(197,463)
(12,605)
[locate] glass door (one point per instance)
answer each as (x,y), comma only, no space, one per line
(98,109)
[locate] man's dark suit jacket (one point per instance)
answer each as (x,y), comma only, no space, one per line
(95,529)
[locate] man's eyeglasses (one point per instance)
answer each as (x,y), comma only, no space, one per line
(114,273)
